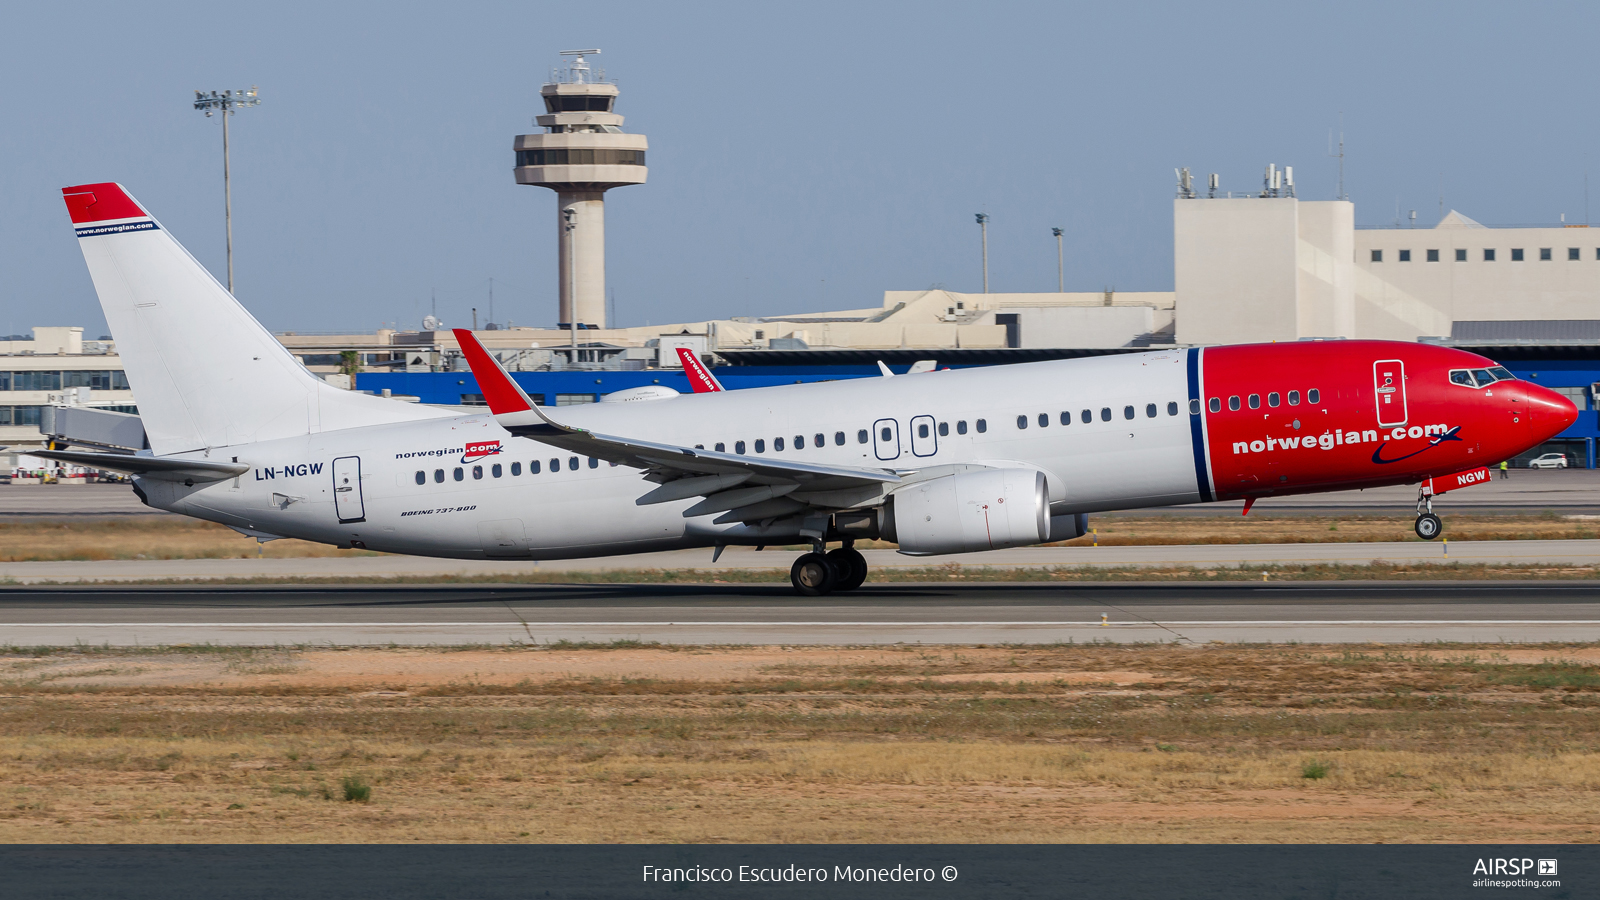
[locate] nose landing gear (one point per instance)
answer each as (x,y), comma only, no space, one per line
(1428,525)
(818,573)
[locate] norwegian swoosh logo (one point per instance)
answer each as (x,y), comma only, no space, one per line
(1436,440)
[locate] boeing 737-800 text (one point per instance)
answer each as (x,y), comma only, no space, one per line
(941,462)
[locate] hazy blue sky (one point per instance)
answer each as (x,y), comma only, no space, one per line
(802,156)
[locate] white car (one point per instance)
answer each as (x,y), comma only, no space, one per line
(1549,461)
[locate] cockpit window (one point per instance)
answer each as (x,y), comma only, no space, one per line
(1480,377)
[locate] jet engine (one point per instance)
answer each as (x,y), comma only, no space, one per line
(984,510)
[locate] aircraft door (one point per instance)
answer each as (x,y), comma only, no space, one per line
(886,438)
(1389,384)
(924,437)
(347,490)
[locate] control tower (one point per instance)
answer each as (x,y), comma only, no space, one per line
(581,155)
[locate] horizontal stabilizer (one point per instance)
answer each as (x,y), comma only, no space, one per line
(156,467)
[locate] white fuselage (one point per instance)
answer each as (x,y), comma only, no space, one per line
(572,506)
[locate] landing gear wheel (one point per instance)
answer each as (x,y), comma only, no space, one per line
(1429,526)
(813,575)
(852,568)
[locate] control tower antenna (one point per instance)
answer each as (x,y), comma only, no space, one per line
(581,154)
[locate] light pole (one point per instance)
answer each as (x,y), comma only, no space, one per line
(983,228)
(570,220)
(226,102)
(1061,269)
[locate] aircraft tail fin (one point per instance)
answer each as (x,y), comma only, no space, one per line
(700,377)
(204,372)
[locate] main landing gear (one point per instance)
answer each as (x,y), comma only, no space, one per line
(1428,525)
(818,573)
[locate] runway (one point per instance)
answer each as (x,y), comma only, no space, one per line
(1313,612)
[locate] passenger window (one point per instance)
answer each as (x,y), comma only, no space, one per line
(887,433)
(1172,407)
(699,446)
(422,477)
(1294,398)
(1105,413)
(720,447)
(1461,377)
(738,447)
(516,469)
(761,445)
(944,429)
(496,470)
(477,473)
(1255,401)
(861,436)
(1313,396)
(820,440)
(1127,412)
(1086,416)
(777,444)
(983,425)
(1150,410)
(572,464)
(533,467)
(1066,417)
(1022,422)
(555,465)
(838,438)
(1233,403)
(1273,399)
(799,442)
(922,431)
(438,475)
(594,462)
(1044,420)
(1216,404)
(961,426)
(458,474)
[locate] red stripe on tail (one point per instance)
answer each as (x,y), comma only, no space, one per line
(100,203)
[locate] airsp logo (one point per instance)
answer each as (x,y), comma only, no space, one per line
(1512,866)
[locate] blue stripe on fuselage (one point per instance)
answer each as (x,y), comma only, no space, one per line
(1197,428)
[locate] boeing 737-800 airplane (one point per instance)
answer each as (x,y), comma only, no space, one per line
(942,462)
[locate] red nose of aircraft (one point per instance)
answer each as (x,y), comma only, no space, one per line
(1549,413)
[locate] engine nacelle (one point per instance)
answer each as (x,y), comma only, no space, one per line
(985,510)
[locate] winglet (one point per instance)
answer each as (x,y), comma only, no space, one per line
(501,393)
(885,370)
(700,377)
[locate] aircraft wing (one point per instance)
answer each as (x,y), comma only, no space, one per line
(159,468)
(743,488)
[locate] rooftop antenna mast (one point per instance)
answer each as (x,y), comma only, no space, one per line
(1339,155)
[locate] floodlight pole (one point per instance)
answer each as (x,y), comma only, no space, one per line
(226,102)
(1061,268)
(983,228)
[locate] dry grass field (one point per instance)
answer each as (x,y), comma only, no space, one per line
(627,743)
(178,538)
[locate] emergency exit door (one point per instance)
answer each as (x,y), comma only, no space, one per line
(347,489)
(1389,387)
